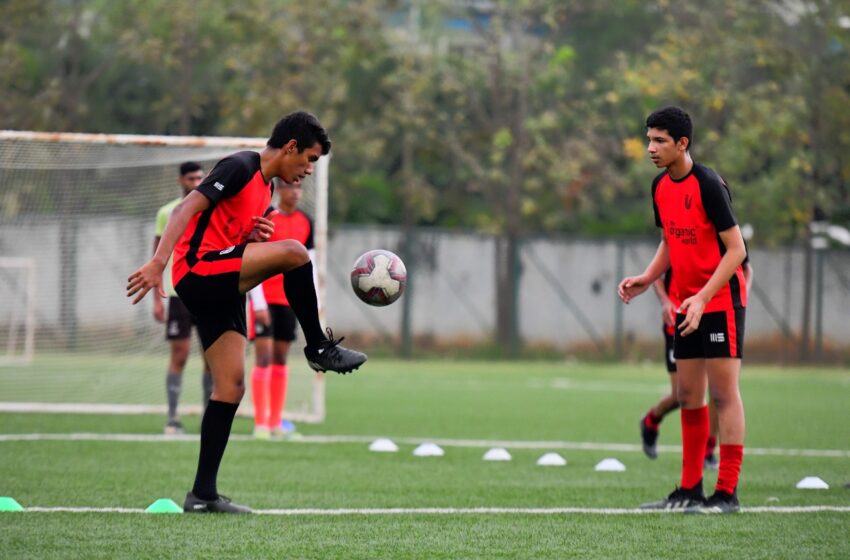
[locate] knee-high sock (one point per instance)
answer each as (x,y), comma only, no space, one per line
(260,378)
(301,293)
(215,431)
(173,387)
(695,429)
(731,457)
(277,390)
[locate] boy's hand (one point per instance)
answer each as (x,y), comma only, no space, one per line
(692,308)
(668,313)
(262,317)
(144,279)
(632,287)
(263,230)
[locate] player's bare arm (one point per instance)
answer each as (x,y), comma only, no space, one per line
(158,307)
(633,286)
(735,254)
(150,274)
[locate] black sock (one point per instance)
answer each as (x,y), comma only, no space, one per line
(301,293)
(215,431)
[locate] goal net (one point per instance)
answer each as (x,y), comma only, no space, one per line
(77,216)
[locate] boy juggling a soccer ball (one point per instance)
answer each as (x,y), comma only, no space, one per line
(702,243)
(218,234)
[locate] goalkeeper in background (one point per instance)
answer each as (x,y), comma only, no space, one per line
(178,321)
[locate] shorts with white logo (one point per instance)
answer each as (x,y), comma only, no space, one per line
(720,335)
(210,291)
(178,324)
(669,346)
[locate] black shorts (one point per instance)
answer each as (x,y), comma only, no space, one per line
(720,335)
(178,324)
(669,345)
(210,290)
(282,326)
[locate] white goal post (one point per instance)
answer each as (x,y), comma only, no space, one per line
(77,213)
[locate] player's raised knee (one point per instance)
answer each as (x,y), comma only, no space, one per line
(291,252)
(229,391)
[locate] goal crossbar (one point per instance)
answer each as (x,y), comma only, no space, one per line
(136,139)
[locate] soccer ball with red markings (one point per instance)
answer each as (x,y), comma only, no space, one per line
(378,277)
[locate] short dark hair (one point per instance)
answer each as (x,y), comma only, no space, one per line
(304,128)
(675,121)
(189,167)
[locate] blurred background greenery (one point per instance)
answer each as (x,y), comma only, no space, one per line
(508,117)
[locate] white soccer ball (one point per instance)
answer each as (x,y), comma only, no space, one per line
(378,277)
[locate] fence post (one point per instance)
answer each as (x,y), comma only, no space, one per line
(507,292)
(409,258)
(68,251)
(516,271)
(818,245)
(618,306)
(819,305)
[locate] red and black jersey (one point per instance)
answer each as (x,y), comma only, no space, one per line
(692,211)
(237,192)
(296,225)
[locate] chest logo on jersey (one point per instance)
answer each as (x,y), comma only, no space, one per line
(688,201)
(684,235)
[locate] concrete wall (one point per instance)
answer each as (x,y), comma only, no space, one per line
(567,290)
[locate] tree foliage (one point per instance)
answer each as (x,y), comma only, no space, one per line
(505,116)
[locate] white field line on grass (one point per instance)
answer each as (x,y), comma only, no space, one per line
(101,408)
(559,383)
(463,443)
(456,511)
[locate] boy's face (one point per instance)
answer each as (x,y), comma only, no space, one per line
(290,194)
(296,165)
(191,180)
(663,150)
